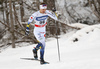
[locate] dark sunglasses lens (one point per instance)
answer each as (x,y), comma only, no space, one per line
(44,5)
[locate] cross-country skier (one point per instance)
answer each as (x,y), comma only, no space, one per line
(40,18)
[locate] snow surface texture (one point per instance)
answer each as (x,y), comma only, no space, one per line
(82,54)
(78,25)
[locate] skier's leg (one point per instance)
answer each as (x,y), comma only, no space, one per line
(40,46)
(42,50)
(37,35)
(36,49)
(40,37)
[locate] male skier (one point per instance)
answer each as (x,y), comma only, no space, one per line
(40,18)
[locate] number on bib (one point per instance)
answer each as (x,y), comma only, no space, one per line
(42,22)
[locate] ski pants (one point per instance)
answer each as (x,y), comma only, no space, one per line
(40,36)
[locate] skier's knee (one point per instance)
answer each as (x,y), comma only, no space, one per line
(41,45)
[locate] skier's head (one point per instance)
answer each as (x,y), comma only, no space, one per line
(43,7)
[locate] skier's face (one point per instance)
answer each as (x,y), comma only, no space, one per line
(42,10)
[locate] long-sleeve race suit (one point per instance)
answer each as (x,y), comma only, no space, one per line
(40,29)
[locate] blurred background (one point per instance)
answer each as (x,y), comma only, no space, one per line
(14,15)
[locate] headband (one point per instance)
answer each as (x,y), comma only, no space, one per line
(44,6)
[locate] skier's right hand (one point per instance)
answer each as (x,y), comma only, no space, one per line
(27,32)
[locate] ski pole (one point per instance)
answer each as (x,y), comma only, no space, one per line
(54,10)
(57,41)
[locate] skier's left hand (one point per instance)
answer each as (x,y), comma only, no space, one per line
(54,9)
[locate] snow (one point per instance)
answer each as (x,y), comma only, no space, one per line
(82,54)
(78,25)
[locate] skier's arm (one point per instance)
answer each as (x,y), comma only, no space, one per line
(52,15)
(31,18)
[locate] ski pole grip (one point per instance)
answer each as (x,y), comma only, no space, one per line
(54,9)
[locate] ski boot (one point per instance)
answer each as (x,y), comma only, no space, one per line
(43,62)
(35,53)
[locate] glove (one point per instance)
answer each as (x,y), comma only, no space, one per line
(27,32)
(27,29)
(54,9)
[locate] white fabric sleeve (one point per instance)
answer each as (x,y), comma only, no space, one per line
(31,18)
(52,15)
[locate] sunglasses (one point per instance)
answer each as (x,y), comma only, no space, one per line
(44,5)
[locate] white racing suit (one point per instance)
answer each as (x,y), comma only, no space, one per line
(40,29)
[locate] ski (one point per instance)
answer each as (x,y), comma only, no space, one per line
(30,59)
(34,60)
